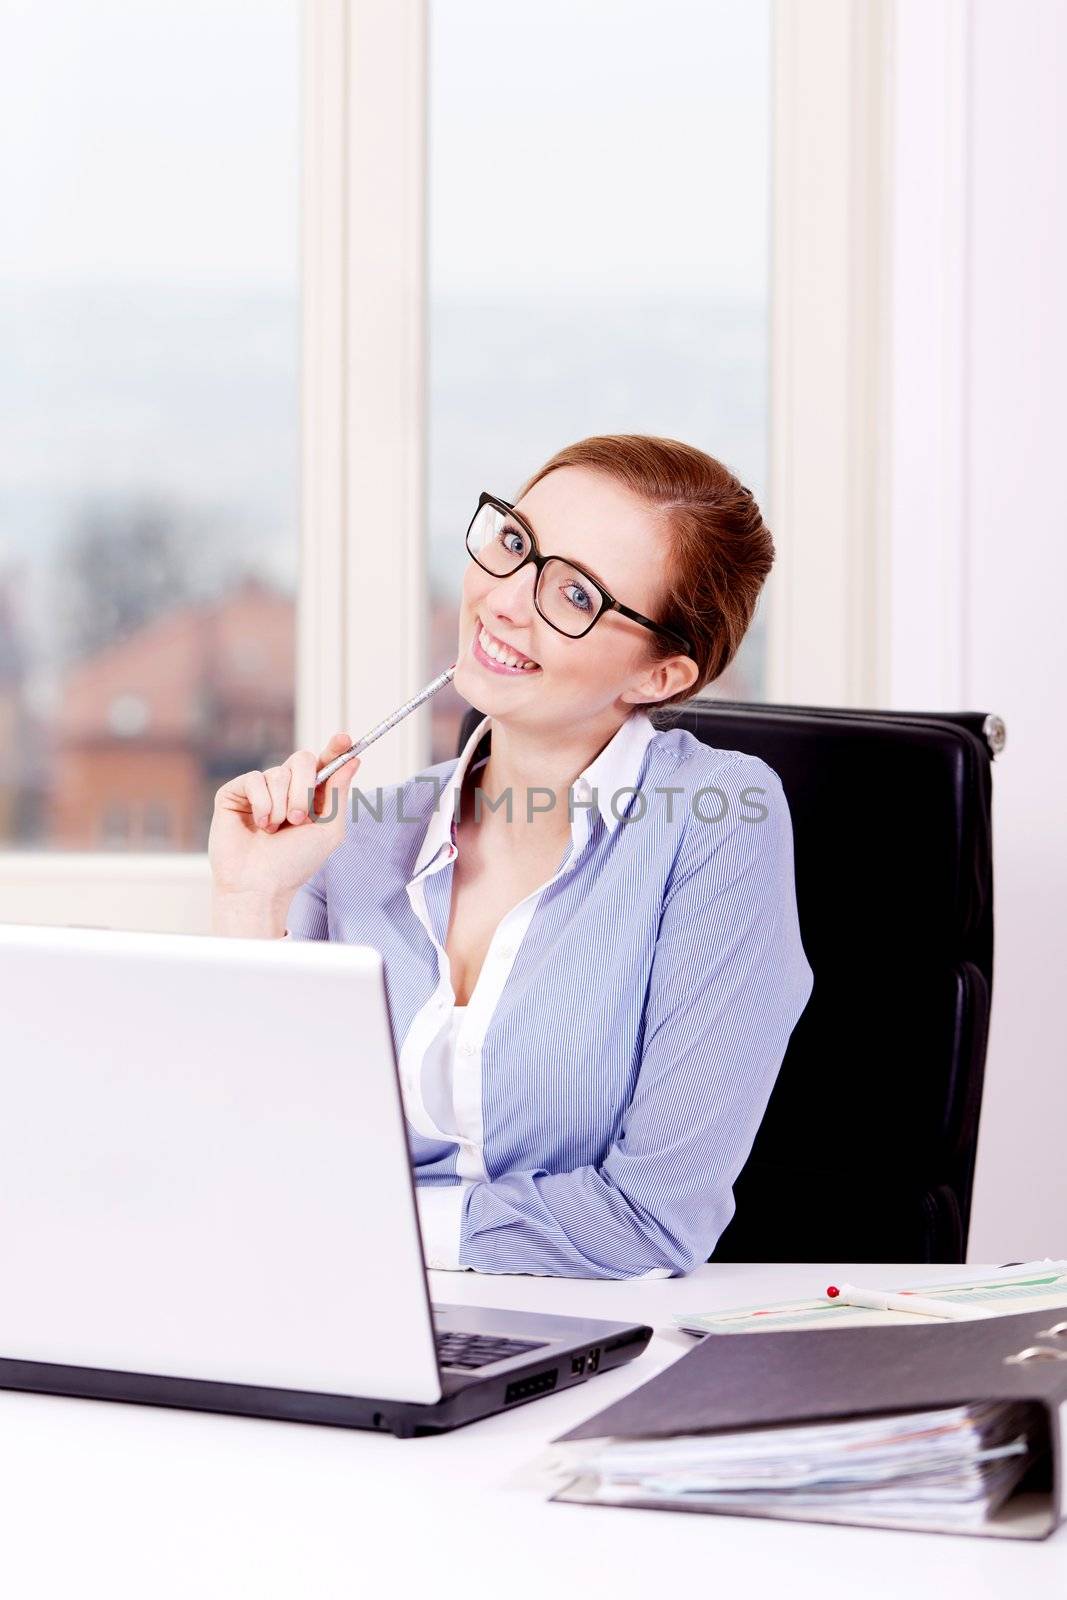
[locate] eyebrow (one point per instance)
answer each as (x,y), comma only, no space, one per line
(582,566)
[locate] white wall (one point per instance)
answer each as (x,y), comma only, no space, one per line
(978,530)
(1016,584)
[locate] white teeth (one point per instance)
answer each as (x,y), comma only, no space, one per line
(498,653)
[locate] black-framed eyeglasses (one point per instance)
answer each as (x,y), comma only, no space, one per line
(569,599)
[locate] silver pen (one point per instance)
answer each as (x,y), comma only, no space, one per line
(383,727)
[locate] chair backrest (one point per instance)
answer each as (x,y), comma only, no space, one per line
(867,1149)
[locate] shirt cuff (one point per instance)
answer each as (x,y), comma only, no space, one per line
(441,1220)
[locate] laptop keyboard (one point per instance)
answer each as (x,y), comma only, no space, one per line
(472,1350)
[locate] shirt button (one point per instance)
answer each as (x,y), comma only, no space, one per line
(582,791)
(506,952)
(468,1049)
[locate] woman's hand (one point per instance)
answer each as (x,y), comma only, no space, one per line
(263,844)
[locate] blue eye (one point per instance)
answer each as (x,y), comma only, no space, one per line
(511,533)
(577,604)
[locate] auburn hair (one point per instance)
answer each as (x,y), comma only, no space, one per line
(720,549)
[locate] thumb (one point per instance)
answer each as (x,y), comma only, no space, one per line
(332,797)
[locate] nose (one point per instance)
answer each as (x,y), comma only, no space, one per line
(511,599)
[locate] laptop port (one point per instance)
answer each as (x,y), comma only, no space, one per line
(594,1359)
(577,1366)
(526,1388)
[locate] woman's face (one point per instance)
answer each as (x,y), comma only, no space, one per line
(591,520)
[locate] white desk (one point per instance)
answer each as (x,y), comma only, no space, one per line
(124,1501)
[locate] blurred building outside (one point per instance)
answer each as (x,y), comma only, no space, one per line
(148,728)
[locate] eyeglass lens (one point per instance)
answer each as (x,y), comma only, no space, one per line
(563,595)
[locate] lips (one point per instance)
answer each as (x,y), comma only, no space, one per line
(503,643)
(485,658)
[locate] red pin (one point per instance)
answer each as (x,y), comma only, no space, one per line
(832,1292)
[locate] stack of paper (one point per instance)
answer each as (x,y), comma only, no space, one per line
(1036,1286)
(953,1467)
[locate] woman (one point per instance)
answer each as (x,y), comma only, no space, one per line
(592,953)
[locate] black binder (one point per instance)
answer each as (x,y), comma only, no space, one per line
(733,1382)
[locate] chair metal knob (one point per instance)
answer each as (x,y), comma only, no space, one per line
(996,733)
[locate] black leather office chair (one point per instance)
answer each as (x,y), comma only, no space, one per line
(867,1149)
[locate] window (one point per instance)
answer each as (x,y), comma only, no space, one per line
(156,825)
(596,188)
(149,344)
(598,255)
(114,826)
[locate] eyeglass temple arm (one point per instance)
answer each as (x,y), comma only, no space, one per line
(657,627)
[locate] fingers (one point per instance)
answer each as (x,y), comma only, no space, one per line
(330,798)
(336,747)
(282,794)
(258,797)
(278,784)
(246,794)
(302,769)
(289,787)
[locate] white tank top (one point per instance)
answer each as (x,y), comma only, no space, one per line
(437,1069)
(439,1062)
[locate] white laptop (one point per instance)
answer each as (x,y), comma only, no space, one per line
(206,1196)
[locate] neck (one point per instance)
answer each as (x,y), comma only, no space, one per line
(531,762)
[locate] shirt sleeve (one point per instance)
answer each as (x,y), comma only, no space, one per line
(729,979)
(307,917)
(440,1216)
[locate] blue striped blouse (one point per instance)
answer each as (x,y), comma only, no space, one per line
(621,1043)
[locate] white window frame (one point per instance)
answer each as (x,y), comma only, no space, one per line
(868,388)
(362,596)
(363,591)
(922,608)
(828,331)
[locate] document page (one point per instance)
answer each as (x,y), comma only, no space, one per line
(1038,1286)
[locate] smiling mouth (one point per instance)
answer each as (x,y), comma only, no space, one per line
(502,655)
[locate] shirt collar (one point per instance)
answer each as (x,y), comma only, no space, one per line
(441,829)
(615,769)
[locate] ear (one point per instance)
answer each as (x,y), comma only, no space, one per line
(664,678)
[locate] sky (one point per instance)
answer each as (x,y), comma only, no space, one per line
(605,155)
(617,145)
(574,144)
(150,140)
